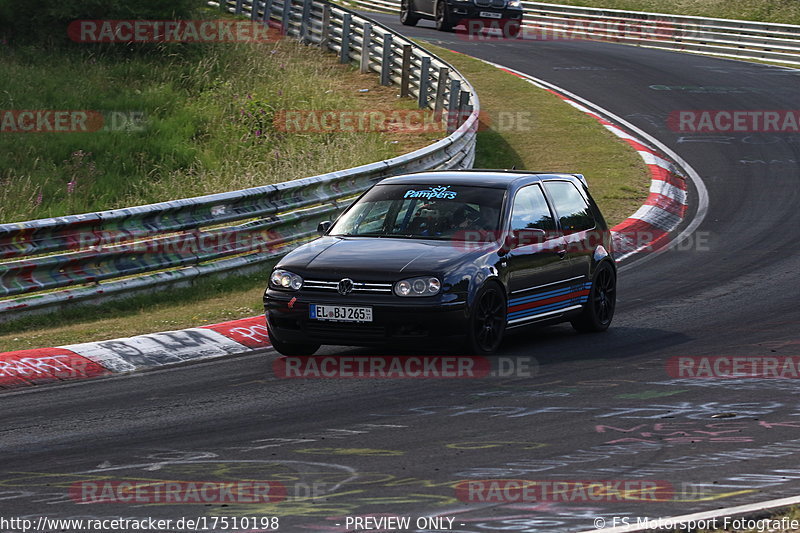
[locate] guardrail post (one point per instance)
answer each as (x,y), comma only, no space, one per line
(254,9)
(441,85)
(267,11)
(467,112)
(305,22)
(326,26)
(238,9)
(405,72)
(424,82)
(463,103)
(386,60)
(365,48)
(286,16)
(344,53)
(453,96)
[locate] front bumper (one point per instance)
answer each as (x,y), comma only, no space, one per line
(416,321)
(468,10)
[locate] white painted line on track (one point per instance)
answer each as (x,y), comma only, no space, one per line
(707,516)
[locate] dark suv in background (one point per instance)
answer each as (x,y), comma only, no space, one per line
(474,14)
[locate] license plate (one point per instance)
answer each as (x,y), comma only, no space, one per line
(491,15)
(340,313)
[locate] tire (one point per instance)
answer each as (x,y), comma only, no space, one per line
(487,320)
(290,348)
(599,310)
(443,22)
(407,18)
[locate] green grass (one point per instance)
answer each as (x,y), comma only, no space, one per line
(556,138)
(778,11)
(208,126)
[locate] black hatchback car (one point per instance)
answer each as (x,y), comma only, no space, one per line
(476,15)
(443,255)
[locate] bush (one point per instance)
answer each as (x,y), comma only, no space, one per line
(46,21)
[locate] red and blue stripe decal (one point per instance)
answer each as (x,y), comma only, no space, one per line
(544,302)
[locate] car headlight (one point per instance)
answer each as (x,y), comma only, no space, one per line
(284,280)
(514,3)
(424,286)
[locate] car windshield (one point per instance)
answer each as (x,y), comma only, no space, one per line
(424,211)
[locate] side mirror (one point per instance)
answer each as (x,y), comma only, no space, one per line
(323,227)
(509,243)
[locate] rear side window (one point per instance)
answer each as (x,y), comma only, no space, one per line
(530,211)
(573,211)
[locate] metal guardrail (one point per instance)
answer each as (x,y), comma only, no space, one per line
(720,37)
(99,256)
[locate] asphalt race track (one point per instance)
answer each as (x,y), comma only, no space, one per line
(592,407)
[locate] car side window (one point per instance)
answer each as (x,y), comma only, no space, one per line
(530,211)
(573,211)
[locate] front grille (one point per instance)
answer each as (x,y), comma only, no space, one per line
(366,332)
(491,3)
(358,287)
(344,330)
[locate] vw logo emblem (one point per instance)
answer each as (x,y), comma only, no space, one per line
(345,286)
